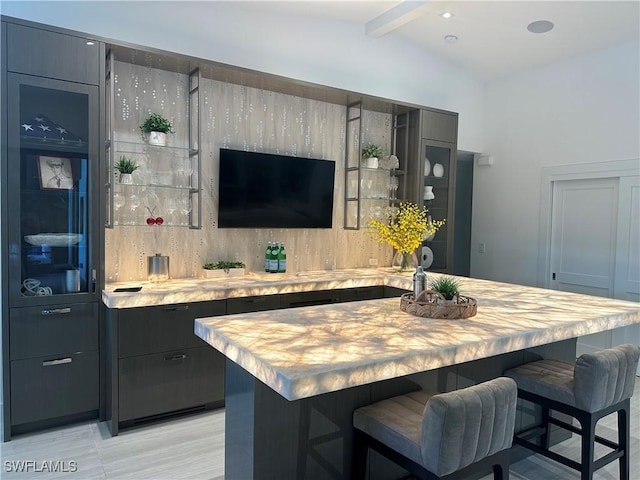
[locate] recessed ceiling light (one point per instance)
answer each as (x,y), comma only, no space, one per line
(450,38)
(446,15)
(89,42)
(540,26)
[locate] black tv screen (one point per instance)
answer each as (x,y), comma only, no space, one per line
(260,190)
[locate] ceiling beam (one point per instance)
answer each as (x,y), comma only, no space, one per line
(396,17)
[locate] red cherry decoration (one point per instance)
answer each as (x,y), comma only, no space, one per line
(150,221)
(159,220)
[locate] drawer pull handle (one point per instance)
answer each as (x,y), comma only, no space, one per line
(60,361)
(180,356)
(56,311)
(174,308)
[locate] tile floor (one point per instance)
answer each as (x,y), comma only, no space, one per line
(193,448)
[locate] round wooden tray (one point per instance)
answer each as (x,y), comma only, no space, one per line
(431,304)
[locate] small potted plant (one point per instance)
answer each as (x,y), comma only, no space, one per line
(125,166)
(448,287)
(223,269)
(155,129)
(370,154)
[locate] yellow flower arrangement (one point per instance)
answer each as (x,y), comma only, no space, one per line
(406,228)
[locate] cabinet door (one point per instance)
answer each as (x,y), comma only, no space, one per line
(163,328)
(54,386)
(258,303)
(54,55)
(438,187)
(52,135)
(59,329)
(166,382)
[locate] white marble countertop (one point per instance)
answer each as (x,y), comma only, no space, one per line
(301,352)
(252,284)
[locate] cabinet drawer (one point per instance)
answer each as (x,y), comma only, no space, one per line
(41,331)
(163,328)
(166,382)
(33,51)
(361,293)
(258,303)
(307,299)
(54,386)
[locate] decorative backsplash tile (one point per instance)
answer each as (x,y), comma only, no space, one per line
(234,116)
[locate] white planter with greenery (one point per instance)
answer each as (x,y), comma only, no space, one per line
(155,128)
(158,138)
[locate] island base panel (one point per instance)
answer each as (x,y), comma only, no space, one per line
(269,437)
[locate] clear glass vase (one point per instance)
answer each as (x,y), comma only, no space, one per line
(404,261)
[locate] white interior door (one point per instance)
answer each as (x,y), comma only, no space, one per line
(627,275)
(583,236)
(583,243)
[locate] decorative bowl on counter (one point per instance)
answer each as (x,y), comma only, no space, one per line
(53,239)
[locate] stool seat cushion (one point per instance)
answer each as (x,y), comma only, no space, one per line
(448,431)
(596,381)
(396,422)
(549,378)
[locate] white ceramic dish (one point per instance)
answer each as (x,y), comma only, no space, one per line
(54,239)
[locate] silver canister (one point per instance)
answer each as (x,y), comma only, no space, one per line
(158,268)
(73,280)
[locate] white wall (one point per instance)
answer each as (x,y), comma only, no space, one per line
(331,53)
(583,110)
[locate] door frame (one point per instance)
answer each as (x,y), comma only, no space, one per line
(577,171)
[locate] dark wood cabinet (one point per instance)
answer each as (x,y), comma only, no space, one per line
(157,366)
(45,53)
(167,382)
(52,239)
(428,138)
(54,386)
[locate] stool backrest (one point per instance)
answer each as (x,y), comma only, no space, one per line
(605,377)
(464,426)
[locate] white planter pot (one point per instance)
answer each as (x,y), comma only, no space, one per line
(157,138)
(371,162)
(126,178)
(233,272)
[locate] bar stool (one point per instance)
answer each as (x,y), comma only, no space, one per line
(597,385)
(445,436)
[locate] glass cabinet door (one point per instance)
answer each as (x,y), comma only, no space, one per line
(52,167)
(437,198)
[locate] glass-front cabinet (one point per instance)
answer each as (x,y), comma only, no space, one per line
(437,196)
(52,169)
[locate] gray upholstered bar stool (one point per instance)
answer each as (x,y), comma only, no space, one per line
(445,436)
(597,385)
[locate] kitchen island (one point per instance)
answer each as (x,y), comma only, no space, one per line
(295,376)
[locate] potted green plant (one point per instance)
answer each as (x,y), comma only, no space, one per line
(370,154)
(448,287)
(223,269)
(155,129)
(126,167)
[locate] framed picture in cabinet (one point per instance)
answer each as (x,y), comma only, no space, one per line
(55,173)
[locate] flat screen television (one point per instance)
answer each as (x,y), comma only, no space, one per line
(261,190)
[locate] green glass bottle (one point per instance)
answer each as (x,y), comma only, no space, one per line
(282,259)
(267,257)
(273,258)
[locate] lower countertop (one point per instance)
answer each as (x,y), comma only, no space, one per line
(306,351)
(250,285)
